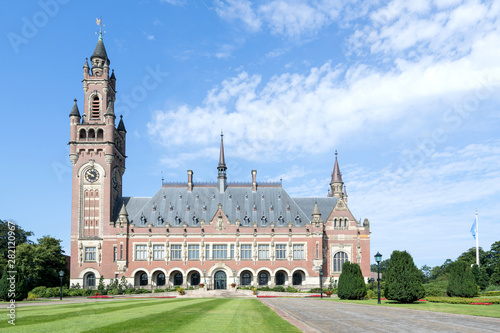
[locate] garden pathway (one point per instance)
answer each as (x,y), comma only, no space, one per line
(314,315)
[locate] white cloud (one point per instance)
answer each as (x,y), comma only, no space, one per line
(238,10)
(288,18)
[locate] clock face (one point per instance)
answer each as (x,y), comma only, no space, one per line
(91,175)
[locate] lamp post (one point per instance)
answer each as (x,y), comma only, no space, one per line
(61,274)
(321,281)
(378,258)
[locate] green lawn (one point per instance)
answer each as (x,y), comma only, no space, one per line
(151,315)
(467,309)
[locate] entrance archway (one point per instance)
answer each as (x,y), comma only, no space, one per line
(195,279)
(220,280)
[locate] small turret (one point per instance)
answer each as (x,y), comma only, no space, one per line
(74,111)
(336,185)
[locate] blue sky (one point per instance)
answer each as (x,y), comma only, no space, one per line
(406,91)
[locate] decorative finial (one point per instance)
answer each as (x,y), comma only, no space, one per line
(336,153)
(75,100)
(221,133)
(98,21)
(121,116)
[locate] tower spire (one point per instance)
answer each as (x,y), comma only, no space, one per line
(221,168)
(337,185)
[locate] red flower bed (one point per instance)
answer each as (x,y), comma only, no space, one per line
(262,296)
(481,303)
(314,295)
(422,300)
(100,296)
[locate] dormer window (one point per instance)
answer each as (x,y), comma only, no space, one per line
(95,114)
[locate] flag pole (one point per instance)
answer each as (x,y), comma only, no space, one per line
(477,239)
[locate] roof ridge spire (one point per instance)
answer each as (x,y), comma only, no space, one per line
(222,160)
(336,175)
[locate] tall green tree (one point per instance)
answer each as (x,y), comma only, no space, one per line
(461,283)
(351,282)
(480,275)
(403,279)
(493,268)
(42,262)
(20,237)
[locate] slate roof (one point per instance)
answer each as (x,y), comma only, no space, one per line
(175,204)
(100,51)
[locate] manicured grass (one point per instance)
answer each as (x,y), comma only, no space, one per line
(467,309)
(151,315)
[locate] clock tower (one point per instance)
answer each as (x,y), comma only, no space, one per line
(97,152)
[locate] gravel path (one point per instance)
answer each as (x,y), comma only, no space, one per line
(311,315)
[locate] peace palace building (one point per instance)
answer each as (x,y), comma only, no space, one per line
(188,233)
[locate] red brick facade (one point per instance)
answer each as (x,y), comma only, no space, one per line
(219,233)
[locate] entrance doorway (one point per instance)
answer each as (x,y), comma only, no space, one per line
(220,280)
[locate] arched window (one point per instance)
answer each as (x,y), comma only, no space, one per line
(143,279)
(160,279)
(83,134)
(263,279)
(95,108)
(338,260)
(89,280)
(246,279)
(297,278)
(280,278)
(178,279)
(91,134)
(100,134)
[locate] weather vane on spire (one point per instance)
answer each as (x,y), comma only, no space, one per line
(98,21)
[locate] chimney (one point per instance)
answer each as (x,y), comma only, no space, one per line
(254,180)
(190,180)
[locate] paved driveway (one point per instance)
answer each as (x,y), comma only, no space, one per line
(312,315)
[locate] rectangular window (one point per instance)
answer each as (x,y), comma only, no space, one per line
(158,252)
(121,251)
(194,252)
(280,251)
(263,251)
(90,254)
(246,252)
(141,252)
(298,251)
(219,252)
(176,252)
(317,250)
(207,252)
(116,275)
(232,251)
(115,253)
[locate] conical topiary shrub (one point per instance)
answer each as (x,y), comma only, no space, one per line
(462,282)
(351,282)
(402,279)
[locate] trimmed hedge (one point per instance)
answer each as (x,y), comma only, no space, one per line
(492,293)
(460,300)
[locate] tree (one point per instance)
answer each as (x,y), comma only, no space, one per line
(480,276)
(20,237)
(13,285)
(493,268)
(425,272)
(42,262)
(383,266)
(351,282)
(403,279)
(469,256)
(461,283)
(441,273)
